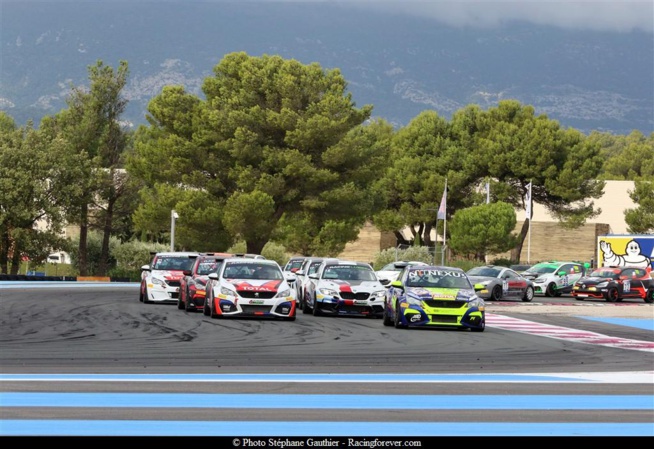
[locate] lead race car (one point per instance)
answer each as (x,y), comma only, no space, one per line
(250,288)
(437,296)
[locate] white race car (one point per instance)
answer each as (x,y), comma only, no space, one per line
(161,279)
(344,288)
(250,288)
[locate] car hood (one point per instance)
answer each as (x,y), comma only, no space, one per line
(169,275)
(352,286)
(461,294)
(255,285)
(593,280)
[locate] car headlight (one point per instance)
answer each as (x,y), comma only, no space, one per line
(603,284)
(328,292)
(227,291)
(414,301)
(159,282)
(476,301)
(379,294)
(283,293)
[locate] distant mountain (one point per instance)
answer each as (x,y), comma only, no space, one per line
(402,65)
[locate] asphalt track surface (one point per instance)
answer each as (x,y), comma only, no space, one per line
(91,360)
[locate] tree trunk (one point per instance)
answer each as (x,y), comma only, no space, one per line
(83,235)
(400,240)
(4,252)
(426,238)
(517,250)
(15,260)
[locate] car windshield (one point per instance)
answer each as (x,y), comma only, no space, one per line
(391,267)
(208,267)
(252,271)
(349,273)
(484,271)
(437,278)
(607,274)
(542,269)
(293,265)
(173,263)
(314,267)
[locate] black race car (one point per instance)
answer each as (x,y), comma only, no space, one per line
(614,284)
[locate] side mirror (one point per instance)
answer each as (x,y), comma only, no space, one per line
(145,268)
(478,287)
(385,282)
(562,273)
(313,276)
(397,284)
(290,277)
(300,272)
(213,276)
(187,272)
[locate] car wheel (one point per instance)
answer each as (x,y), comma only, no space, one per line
(305,306)
(529,294)
(551,289)
(612,295)
(187,304)
(649,296)
(386,319)
(145,296)
(481,328)
(578,298)
(180,303)
(205,309)
(316,309)
(496,294)
(141,294)
(398,319)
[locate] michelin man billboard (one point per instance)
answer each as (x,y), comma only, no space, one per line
(621,250)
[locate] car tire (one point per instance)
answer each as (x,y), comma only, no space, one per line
(649,296)
(398,321)
(141,294)
(315,308)
(180,303)
(305,306)
(145,296)
(529,294)
(187,305)
(612,295)
(205,309)
(481,328)
(550,290)
(385,318)
(496,294)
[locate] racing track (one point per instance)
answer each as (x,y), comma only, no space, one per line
(93,360)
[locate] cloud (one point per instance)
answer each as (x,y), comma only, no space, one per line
(613,15)
(600,15)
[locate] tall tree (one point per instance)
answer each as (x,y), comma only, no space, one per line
(273,140)
(517,148)
(424,155)
(91,125)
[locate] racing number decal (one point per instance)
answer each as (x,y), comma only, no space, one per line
(565,280)
(505,286)
(626,286)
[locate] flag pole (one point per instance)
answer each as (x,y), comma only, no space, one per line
(444,225)
(529,233)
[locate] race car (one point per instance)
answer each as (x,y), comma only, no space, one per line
(391,271)
(614,284)
(494,282)
(342,287)
(434,296)
(192,286)
(160,280)
(309,266)
(245,287)
(554,278)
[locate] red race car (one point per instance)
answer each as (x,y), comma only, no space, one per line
(614,284)
(192,286)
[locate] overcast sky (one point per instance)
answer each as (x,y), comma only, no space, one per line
(614,15)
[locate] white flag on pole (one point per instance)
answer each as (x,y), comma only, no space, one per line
(528,202)
(442,208)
